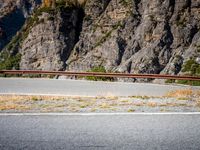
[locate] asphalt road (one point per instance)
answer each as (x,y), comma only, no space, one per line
(127,132)
(82,88)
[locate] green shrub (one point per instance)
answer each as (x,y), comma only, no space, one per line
(187,82)
(9,57)
(51,18)
(100,69)
(192,67)
(11,62)
(108,34)
(48,10)
(126,3)
(104,38)
(170,81)
(60,3)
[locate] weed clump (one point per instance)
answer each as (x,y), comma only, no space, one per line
(99,69)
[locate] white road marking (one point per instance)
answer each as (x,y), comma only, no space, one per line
(96,114)
(57,95)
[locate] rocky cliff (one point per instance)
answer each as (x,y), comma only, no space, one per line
(133,36)
(50,42)
(139,36)
(12,17)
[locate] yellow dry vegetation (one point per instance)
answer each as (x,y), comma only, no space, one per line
(48,3)
(29,98)
(18,102)
(152,104)
(52,3)
(198,103)
(184,93)
(14,107)
(94,104)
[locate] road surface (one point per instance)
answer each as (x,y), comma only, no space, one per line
(82,88)
(112,132)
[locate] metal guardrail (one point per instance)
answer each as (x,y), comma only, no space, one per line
(97,74)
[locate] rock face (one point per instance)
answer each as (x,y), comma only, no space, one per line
(132,36)
(50,42)
(12,17)
(138,36)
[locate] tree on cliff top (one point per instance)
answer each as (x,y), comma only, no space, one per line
(48,3)
(52,3)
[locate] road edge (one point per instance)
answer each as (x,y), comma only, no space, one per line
(96,114)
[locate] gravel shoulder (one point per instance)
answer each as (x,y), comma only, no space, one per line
(177,101)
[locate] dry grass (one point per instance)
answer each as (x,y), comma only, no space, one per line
(107,97)
(184,94)
(104,106)
(93,110)
(131,110)
(124,101)
(29,98)
(152,104)
(92,104)
(164,110)
(14,107)
(140,97)
(146,97)
(23,103)
(169,105)
(198,103)
(73,109)
(180,93)
(183,98)
(139,104)
(84,105)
